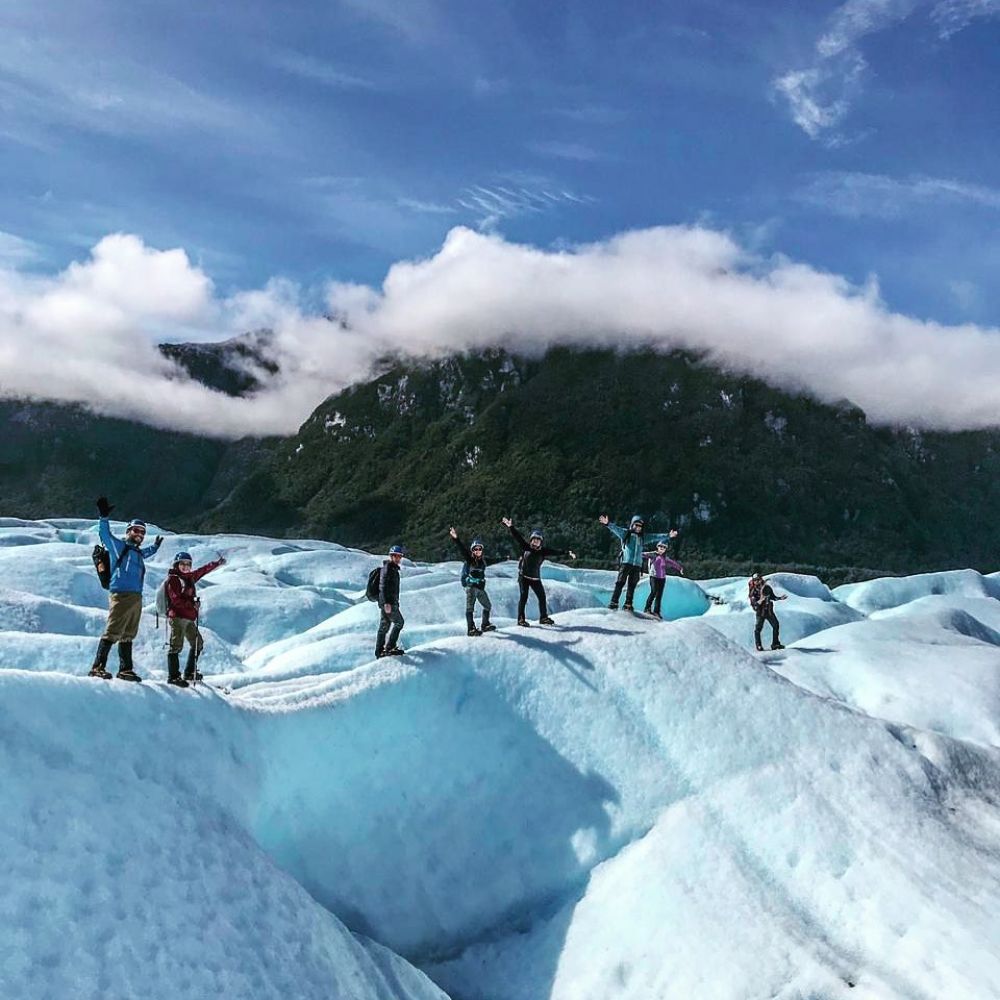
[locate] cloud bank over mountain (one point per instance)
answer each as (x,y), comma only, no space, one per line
(89,333)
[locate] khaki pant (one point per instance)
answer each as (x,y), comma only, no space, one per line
(124,612)
(181,629)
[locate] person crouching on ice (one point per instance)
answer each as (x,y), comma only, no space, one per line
(128,572)
(658,563)
(182,613)
(762,598)
(474,582)
(388,602)
(529,571)
(631,539)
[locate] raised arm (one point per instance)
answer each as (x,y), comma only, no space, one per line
(516,535)
(460,545)
(150,550)
(196,574)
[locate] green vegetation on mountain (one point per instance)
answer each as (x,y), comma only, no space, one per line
(751,474)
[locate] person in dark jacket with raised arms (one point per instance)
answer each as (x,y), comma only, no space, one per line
(529,571)
(631,540)
(474,581)
(183,605)
(762,598)
(128,573)
(388,602)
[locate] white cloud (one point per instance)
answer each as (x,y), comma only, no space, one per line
(308,68)
(88,333)
(858,195)
(566,151)
(14,250)
(820,95)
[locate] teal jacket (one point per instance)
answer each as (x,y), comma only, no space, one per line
(632,543)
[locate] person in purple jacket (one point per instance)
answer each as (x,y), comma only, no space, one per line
(658,563)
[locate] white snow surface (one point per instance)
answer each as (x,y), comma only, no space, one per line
(613,807)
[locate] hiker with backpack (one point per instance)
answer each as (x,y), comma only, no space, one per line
(121,567)
(659,561)
(631,540)
(762,598)
(178,597)
(474,582)
(386,589)
(529,571)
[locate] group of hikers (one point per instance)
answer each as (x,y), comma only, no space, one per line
(635,559)
(121,567)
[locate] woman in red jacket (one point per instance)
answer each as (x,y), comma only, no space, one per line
(182,612)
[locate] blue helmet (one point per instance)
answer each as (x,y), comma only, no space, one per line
(537,533)
(396,550)
(477,543)
(636,519)
(136,523)
(182,557)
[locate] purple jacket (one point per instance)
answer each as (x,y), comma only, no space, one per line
(658,565)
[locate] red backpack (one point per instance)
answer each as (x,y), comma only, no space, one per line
(755,591)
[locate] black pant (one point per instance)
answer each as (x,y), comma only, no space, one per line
(765,612)
(628,574)
(524,582)
(393,618)
(655,595)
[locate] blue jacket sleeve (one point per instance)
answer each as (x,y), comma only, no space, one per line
(617,531)
(150,550)
(108,540)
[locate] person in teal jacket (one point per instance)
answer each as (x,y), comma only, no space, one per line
(128,573)
(633,539)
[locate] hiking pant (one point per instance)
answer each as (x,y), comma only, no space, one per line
(629,575)
(393,618)
(524,582)
(474,596)
(124,612)
(766,613)
(181,629)
(656,587)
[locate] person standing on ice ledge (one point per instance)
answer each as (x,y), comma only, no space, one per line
(128,573)
(388,602)
(474,582)
(658,563)
(631,539)
(762,598)
(182,606)
(529,571)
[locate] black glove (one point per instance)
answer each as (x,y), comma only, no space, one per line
(103,507)
(158,541)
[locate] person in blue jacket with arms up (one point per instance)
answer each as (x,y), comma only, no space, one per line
(128,573)
(632,540)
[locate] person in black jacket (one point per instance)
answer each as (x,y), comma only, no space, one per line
(474,581)
(529,571)
(388,602)
(762,598)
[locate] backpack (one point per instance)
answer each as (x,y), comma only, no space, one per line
(473,576)
(102,563)
(755,592)
(162,602)
(371,590)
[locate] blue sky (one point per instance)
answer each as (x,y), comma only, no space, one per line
(326,140)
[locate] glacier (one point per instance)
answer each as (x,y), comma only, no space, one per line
(612,807)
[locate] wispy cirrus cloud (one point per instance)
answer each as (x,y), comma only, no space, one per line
(820,95)
(576,151)
(493,204)
(17,251)
(860,195)
(307,67)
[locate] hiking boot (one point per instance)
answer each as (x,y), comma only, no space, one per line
(178,682)
(546,621)
(487,627)
(100,667)
(191,672)
(474,631)
(628,607)
(125,671)
(613,606)
(776,645)
(394,651)
(522,623)
(759,648)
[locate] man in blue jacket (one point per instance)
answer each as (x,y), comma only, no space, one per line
(128,571)
(632,540)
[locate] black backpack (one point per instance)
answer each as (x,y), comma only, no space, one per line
(102,563)
(371,591)
(473,576)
